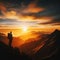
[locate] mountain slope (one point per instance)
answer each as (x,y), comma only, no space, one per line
(51,48)
(9,53)
(30,47)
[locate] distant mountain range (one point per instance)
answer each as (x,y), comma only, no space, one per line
(3,38)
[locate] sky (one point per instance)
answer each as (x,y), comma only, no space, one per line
(15,14)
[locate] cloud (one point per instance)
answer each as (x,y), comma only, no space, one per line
(32,8)
(46,15)
(18,23)
(3,8)
(54,21)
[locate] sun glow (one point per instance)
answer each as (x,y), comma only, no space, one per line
(24,28)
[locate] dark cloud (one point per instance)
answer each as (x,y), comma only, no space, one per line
(55,21)
(7,20)
(35,8)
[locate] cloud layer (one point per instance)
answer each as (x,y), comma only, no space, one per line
(42,11)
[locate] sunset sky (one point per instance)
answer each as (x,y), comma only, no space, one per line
(30,14)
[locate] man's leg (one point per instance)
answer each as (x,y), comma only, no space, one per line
(10,42)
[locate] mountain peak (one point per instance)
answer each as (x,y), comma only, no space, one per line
(57,30)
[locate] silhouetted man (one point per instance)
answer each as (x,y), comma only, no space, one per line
(10,37)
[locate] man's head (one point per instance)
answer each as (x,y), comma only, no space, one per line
(11,32)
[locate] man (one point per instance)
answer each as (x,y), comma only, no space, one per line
(10,37)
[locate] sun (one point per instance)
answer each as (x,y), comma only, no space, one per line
(24,28)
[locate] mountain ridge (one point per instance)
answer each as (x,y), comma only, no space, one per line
(51,48)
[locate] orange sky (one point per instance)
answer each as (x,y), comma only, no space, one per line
(18,32)
(26,16)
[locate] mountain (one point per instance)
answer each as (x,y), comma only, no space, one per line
(30,47)
(45,48)
(10,53)
(15,43)
(3,38)
(51,48)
